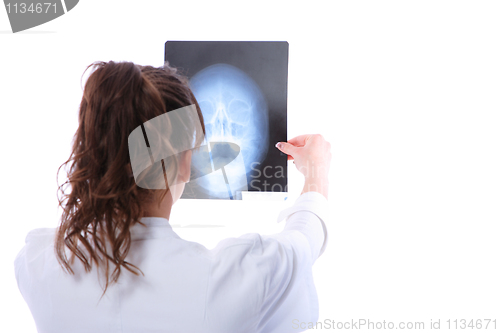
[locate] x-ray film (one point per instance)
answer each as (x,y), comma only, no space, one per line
(241,88)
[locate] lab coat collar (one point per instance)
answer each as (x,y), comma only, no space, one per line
(154,227)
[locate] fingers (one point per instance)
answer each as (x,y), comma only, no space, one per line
(287,148)
(299,141)
(295,144)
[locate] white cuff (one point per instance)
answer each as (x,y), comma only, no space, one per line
(315,203)
(311,201)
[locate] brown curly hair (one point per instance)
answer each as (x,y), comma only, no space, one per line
(105,201)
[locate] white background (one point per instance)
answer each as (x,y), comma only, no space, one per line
(407,92)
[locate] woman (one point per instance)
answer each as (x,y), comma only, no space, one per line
(134,273)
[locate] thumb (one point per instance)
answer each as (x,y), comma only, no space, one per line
(287,148)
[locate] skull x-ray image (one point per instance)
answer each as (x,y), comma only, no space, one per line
(241,88)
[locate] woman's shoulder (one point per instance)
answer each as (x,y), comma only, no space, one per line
(40,234)
(37,240)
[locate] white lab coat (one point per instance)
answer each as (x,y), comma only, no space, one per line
(253,283)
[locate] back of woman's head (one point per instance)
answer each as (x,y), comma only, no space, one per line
(104,201)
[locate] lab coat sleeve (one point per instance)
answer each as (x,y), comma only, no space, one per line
(308,215)
(290,295)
